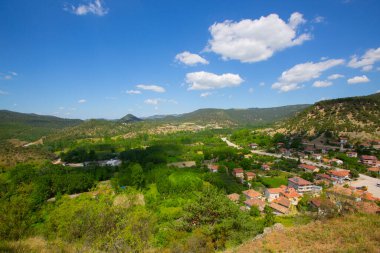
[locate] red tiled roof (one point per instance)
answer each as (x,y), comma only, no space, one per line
(290,192)
(340,173)
(324,176)
(213,167)
(279,208)
(374,169)
(368,157)
(238,170)
(255,202)
(252,193)
(299,181)
(282,201)
(233,197)
(307,166)
(274,190)
(250,173)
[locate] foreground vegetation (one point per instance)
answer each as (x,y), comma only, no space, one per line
(353,233)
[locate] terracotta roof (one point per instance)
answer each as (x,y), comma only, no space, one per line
(299,181)
(374,169)
(213,167)
(290,192)
(340,173)
(307,166)
(368,157)
(279,208)
(316,202)
(252,193)
(250,173)
(234,197)
(282,201)
(255,202)
(238,170)
(275,190)
(324,176)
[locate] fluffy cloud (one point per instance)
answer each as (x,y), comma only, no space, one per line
(318,19)
(335,76)
(190,59)
(256,40)
(293,78)
(208,81)
(81,101)
(95,8)
(358,79)
(322,84)
(133,92)
(366,61)
(154,88)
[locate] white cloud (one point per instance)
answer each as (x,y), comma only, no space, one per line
(251,90)
(154,88)
(261,84)
(8,76)
(190,59)
(293,78)
(81,101)
(205,94)
(152,101)
(157,101)
(3,92)
(358,79)
(256,40)
(208,81)
(322,84)
(96,7)
(133,92)
(318,19)
(335,76)
(366,61)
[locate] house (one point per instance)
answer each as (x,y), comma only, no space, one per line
(308,168)
(278,209)
(302,155)
(238,172)
(374,170)
(369,160)
(340,175)
(185,164)
(284,151)
(113,162)
(317,156)
(249,175)
(273,193)
(213,167)
(234,197)
(302,185)
(283,202)
(336,161)
(248,156)
(280,144)
(255,202)
(291,194)
(352,154)
(343,140)
(251,194)
(265,167)
(253,145)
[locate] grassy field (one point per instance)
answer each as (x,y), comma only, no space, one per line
(354,233)
(273,182)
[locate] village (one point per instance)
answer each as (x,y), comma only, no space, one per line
(331,185)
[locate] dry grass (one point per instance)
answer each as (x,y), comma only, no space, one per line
(354,233)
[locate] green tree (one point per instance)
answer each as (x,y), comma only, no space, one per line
(269,216)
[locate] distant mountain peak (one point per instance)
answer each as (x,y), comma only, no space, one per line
(129,118)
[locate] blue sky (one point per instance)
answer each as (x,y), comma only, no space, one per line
(106,58)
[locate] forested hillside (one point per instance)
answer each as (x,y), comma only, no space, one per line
(355,115)
(251,116)
(30,127)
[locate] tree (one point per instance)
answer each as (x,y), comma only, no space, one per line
(269,216)
(137,176)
